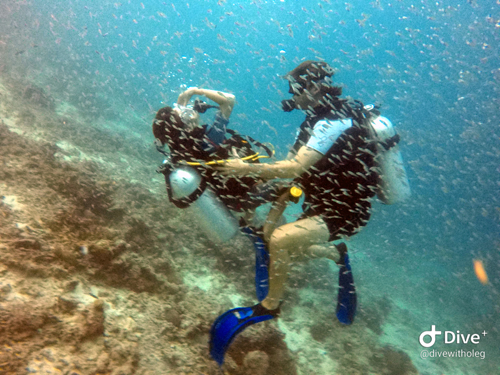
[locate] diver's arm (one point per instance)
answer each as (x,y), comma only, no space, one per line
(186,96)
(223,99)
(306,157)
(290,155)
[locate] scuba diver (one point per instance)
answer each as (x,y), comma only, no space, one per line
(343,156)
(193,150)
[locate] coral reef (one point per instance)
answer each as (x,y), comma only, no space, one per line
(256,363)
(258,349)
(375,314)
(390,361)
(92,281)
(103,255)
(86,217)
(28,329)
(38,96)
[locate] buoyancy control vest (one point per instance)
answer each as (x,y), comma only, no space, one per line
(188,149)
(340,185)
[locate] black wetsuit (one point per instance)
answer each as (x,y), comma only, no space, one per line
(340,185)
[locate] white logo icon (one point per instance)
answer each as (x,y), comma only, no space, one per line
(433,333)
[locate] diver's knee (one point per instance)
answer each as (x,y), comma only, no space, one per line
(278,239)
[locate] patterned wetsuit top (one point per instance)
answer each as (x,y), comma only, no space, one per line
(339,186)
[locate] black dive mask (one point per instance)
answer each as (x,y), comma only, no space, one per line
(288,105)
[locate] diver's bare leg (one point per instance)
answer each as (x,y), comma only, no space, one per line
(287,242)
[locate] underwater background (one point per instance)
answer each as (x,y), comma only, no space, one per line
(99,273)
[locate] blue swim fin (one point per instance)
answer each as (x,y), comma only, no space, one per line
(261,263)
(347,299)
(227,326)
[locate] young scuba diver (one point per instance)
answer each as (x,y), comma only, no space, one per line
(334,162)
(193,149)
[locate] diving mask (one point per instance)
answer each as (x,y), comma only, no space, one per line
(188,115)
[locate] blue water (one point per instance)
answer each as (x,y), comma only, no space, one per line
(433,66)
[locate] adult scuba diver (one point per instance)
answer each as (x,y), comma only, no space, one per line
(194,150)
(344,155)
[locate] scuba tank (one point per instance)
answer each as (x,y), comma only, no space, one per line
(394,184)
(191,192)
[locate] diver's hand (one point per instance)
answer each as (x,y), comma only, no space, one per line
(234,167)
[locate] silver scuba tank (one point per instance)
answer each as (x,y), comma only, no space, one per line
(210,213)
(395,186)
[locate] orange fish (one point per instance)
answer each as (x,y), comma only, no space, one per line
(480,272)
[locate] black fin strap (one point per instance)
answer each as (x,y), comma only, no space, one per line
(159,149)
(186,201)
(391,142)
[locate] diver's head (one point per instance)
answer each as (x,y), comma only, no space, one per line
(309,82)
(188,115)
(176,118)
(308,71)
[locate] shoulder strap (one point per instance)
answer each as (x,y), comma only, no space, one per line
(303,136)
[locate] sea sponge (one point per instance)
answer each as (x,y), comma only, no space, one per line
(21,321)
(320,333)
(256,363)
(172,315)
(392,361)
(94,321)
(36,95)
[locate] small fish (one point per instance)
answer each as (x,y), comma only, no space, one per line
(480,271)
